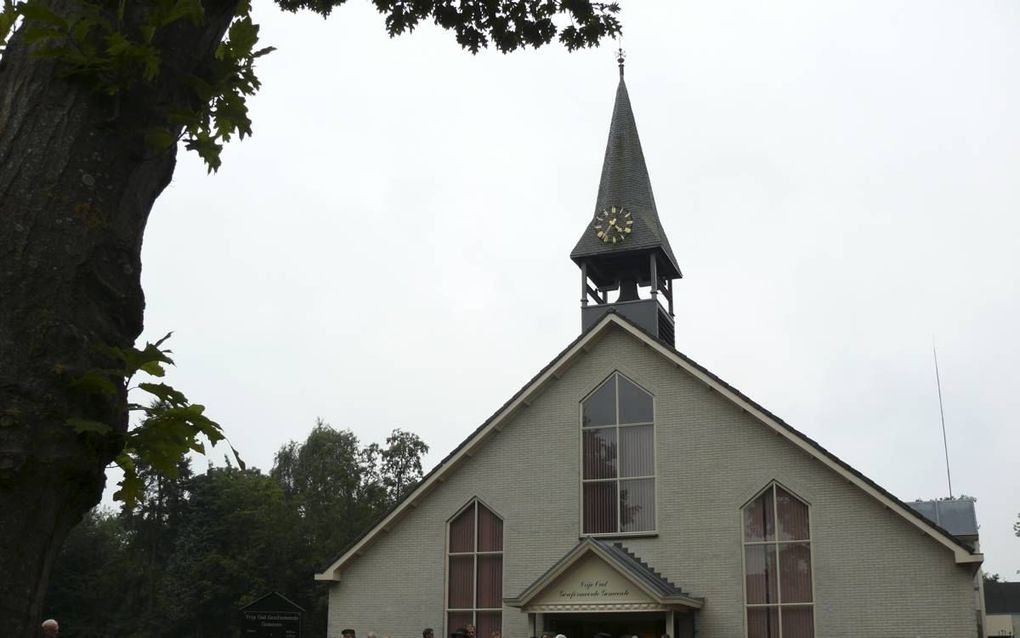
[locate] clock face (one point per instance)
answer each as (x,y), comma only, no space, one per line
(613,225)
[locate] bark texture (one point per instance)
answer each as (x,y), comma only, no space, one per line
(77,184)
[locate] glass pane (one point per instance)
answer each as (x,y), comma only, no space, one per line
(758,518)
(762,622)
(793,517)
(600,453)
(795,572)
(635,403)
(490,582)
(600,507)
(458,620)
(462,582)
(600,407)
(760,574)
(488,623)
(462,531)
(798,622)
(637,451)
(637,505)
(490,531)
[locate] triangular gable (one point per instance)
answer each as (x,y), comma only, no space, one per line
(556,368)
(273,601)
(595,575)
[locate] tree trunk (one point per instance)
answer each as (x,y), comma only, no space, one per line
(77,184)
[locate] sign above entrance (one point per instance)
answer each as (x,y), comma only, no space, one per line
(591,581)
(599,576)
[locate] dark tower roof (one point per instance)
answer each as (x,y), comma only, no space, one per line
(625,183)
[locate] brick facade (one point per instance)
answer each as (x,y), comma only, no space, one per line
(875,573)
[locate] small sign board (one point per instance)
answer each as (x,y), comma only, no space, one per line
(271,616)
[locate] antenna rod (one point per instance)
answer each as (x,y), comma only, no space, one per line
(945,444)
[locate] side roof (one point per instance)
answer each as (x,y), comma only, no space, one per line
(955,515)
(1002,598)
(557,367)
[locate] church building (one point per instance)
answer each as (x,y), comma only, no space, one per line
(627,490)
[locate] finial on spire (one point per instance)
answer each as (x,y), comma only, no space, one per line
(620,57)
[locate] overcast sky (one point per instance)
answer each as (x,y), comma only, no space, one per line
(839,182)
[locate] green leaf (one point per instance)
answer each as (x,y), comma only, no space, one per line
(131,486)
(183,9)
(37,11)
(82,426)
(155,368)
(95,382)
(237,457)
(243,36)
(117,44)
(163,339)
(164,393)
(36,33)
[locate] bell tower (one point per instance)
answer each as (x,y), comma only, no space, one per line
(626,263)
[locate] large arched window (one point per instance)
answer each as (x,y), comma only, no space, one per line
(618,465)
(475,570)
(777,566)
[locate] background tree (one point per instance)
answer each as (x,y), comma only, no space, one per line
(94,96)
(401,463)
(94,578)
(196,548)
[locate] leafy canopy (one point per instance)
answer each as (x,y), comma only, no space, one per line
(123,50)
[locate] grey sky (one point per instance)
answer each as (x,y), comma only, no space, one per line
(838,181)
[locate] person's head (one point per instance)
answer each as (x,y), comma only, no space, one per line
(371,634)
(470,631)
(50,628)
(427,633)
(347,633)
(548,634)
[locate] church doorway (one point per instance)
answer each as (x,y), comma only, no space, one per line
(619,625)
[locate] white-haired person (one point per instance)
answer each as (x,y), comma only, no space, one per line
(50,628)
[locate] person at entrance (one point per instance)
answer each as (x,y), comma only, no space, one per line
(50,628)
(347,633)
(470,631)
(427,633)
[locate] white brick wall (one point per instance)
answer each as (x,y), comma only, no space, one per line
(875,574)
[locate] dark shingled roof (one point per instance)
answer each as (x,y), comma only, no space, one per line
(640,570)
(1002,598)
(625,183)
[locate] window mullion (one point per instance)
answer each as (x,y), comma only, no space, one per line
(619,493)
(474,571)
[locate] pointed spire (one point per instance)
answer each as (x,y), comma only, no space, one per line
(625,183)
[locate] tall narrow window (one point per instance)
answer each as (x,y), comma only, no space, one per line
(618,468)
(475,571)
(777,566)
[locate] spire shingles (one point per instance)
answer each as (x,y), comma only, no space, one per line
(625,184)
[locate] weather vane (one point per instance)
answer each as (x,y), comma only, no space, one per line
(620,57)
